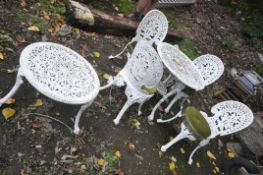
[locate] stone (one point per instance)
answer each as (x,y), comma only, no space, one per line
(252,136)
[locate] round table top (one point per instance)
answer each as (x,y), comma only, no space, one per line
(59,73)
(180,66)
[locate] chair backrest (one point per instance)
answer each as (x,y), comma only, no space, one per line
(230,117)
(153,27)
(210,66)
(144,68)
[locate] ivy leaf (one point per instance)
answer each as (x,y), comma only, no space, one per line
(8,113)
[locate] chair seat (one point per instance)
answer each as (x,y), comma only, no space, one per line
(197,122)
(59,73)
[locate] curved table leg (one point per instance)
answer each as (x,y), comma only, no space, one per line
(18,83)
(176,98)
(151,116)
(179,114)
(201,144)
(140,108)
(124,108)
(119,54)
(184,133)
(77,118)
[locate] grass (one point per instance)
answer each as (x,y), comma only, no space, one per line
(5,39)
(252,25)
(230,45)
(125,6)
(188,48)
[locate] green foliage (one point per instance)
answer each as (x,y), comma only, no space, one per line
(173,22)
(230,45)
(5,39)
(188,48)
(252,26)
(125,6)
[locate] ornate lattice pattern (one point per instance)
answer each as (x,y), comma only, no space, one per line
(59,73)
(153,27)
(181,66)
(230,117)
(210,66)
(144,67)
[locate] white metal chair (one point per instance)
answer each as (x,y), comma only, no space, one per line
(229,117)
(141,75)
(58,73)
(153,29)
(211,68)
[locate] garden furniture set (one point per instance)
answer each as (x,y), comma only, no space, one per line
(64,76)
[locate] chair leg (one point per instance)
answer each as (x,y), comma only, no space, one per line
(124,108)
(179,114)
(18,83)
(125,47)
(140,108)
(176,98)
(77,118)
(201,144)
(151,116)
(185,133)
(110,83)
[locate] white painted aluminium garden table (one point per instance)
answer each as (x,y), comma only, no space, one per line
(59,73)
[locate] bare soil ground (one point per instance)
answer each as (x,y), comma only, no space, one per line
(30,144)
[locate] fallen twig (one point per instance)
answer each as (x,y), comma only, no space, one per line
(52,118)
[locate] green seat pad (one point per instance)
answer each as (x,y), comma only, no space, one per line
(197,122)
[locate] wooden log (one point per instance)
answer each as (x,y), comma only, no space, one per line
(90,19)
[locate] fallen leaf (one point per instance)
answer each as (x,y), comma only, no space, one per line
(45,15)
(131,146)
(38,102)
(231,155)
(214,171)
(8,113)
(33,29)
(211,155)
(118,154)
(197,165)
(10,101)
(171,138)
(217,169)
(37,125)
(23,3)
(83,168)
(182,150)
(106,76)
(173,159)
(171,166)
(96,54)
(101,162)
(1,56)
(160,154)
(136,124)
